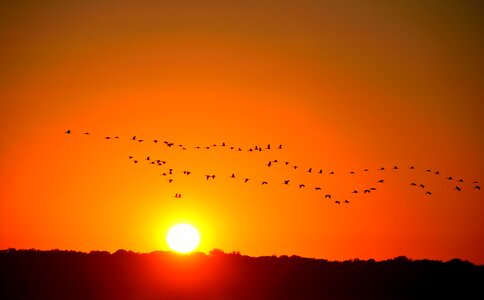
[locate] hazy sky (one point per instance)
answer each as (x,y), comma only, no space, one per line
(343,85)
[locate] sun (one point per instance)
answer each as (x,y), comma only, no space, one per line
(183,238)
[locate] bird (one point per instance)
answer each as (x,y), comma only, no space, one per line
(413,183)
(264,182)
(395,168)
(346,201)
(295,167)
(321,171)
(286,163)
(155,141)
(437,173)
(147,158)
(382,169)
(429,171)
(428,193)
(269,163)
(223,144)
(268,147)
(140,141)
(331,173)
(163,174)
(107,138)
(477,187)
(365,170)
(170,171)
(130,157)
(116,137)
(381,181)
(213,176)
(301,186)
(372,189)
(187,172)
(354,192)
(86,133)
(461,180)
(280,146)
(475,181)
(327,196)
(134,138)
(68,131)
(449,178)
(233,175)
(275,161)
(422,186)
(310,170)
(286,181)
(457,188)
(412,168)
(135,161)
(207,177)
(246,179)
(337,202)
(366,191)
(178,195)
(317,188)
(352,172)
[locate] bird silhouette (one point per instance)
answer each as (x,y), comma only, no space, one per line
(178,195)
(268,147)
(365,170)
(208,177)
(461,180)
(170,171)
(381,181)
(428,193)
(352,172)
(170,180)
(382,169)
(130,157)
(437,173)
(135,161)
(286,181)
(134,138)
(280,146)
(354,192)
(269,163)
(213,176)
(331,173)
(264,182)
(327,196)
(372,189)
(68,131)
(366,191)
(301,186)
(295,167)
(86,133)
(457,188)
(449,178)
(422,186)
(395,168)
(413,183)
(147,158)
(337,202)
(317,188)
(233,175)
(155,141)
(477,187)
(321,171)
(429,171)
(107,138)
(310,170)
(246,179)
(346,201)
(412,168)
(286,163)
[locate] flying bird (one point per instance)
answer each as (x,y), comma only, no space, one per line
(354,192)
(395,168)
(449,178)
(68,131)
(352,172)
(381,181)
(246,179)
(337,202)
(317,188)
(233,175)
(301,186)
(372,189)
(310,170)
(413,183)
(331,173)
(422,186)
(477,187)
(264,182)
(457,188)
(382,169)
(412,168)
(327,196)
(86,133)
(269,163)
(366,191)
(346,201)
(280,146)
(286,181)
(321,171)
(428,193)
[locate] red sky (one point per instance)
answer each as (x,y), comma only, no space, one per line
(343,85)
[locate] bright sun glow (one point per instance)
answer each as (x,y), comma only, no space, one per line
(183,238)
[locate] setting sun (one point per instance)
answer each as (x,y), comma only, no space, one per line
(183,238)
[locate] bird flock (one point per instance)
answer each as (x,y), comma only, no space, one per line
(170,174)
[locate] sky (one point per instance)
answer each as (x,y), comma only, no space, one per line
(342,85)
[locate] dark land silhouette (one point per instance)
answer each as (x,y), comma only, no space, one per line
(55,274)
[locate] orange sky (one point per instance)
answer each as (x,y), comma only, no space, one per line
(342,85)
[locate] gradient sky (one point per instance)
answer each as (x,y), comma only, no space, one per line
(343,85)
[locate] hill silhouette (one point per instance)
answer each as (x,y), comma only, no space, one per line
(56,274)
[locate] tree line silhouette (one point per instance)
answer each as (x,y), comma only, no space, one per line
(55,274)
